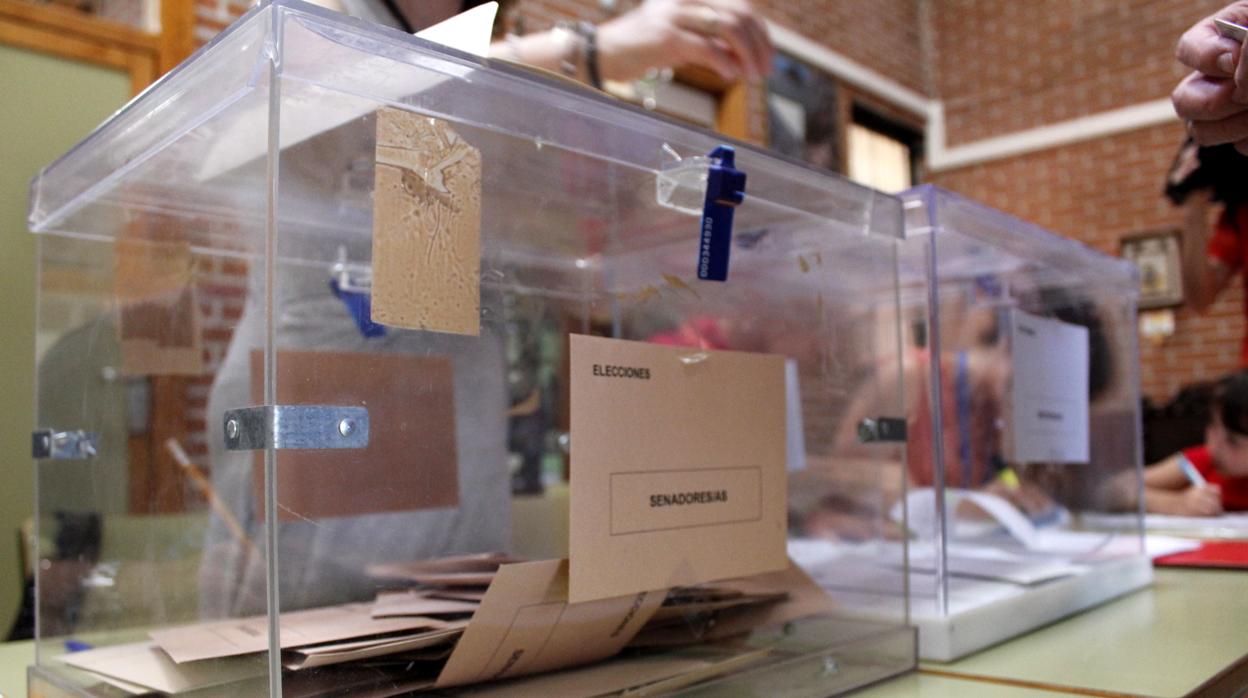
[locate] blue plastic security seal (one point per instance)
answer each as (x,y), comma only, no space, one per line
(360,306)
(725,189)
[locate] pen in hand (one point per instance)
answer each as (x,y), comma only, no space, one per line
(1193,475)
(1203,499)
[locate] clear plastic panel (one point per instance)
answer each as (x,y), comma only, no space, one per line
(129,336)
(967,273)
(271,190)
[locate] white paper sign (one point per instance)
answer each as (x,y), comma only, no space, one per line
(1049,397)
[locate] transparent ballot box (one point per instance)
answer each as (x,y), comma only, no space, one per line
(370,366)
(1022,412)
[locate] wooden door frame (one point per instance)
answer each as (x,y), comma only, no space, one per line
(68,33)
(734,116)
(156,484)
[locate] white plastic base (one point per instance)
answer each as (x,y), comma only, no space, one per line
(972,628)
(980,612)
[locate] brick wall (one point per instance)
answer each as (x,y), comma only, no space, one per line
(1098,192)
(1004,66)
(883,35)
(211,16)
(221,287)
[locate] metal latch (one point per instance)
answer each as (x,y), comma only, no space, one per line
(296,426)
(64,445)
(882,429)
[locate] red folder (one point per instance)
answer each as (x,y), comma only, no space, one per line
(1219,554)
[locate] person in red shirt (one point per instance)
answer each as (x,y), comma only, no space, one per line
(1222,461)
(1212,254)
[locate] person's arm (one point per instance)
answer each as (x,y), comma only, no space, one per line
(726,36)
(1213,98)
(1204,275)
(1167,491)
(1165,475)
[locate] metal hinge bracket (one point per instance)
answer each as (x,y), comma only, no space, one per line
(64,445)
(882,429)
(296,427)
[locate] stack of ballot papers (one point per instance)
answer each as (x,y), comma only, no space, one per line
(464,621)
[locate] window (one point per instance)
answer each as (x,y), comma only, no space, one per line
(882,153)
(802,113)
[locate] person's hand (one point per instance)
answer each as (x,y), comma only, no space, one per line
(1200,501)
(1213,98)
(726,36)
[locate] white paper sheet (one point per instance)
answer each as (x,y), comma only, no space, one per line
(1049,394)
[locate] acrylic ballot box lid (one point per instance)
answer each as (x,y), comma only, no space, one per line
(990,241)
(311,310)
(1023,402)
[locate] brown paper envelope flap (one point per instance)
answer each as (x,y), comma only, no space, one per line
(426,226)
(525,625)
(158,327)
(410,462)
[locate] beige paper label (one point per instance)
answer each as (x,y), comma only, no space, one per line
(426,226)
(670,500)
(411,461)
(158,325)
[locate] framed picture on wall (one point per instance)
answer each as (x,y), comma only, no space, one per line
(1157,255)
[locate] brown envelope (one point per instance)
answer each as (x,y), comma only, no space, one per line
(410,461)
(525,625)
(228,638)
(414,603)
(342,652)
(678,466)
(143,663)
(426,226)
(158,324)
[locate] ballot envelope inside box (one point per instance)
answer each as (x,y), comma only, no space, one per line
(453,347)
